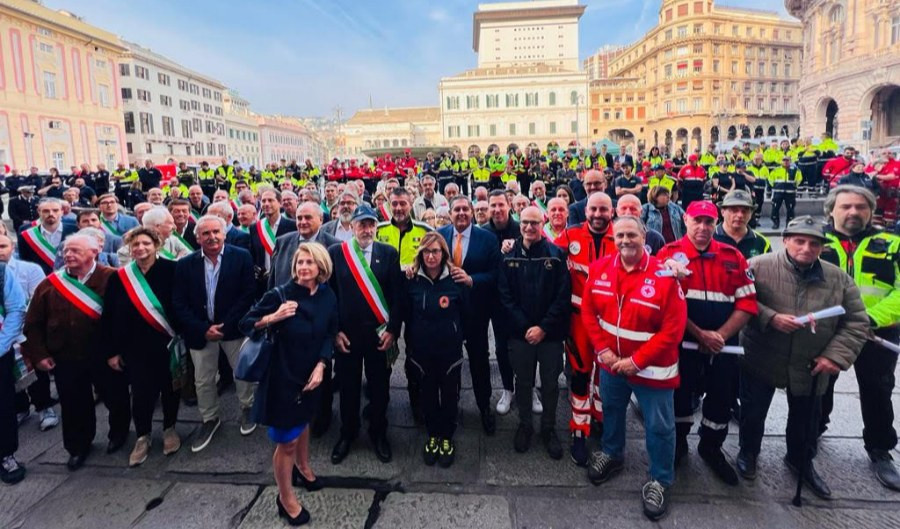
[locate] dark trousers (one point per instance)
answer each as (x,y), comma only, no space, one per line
(9,427)
(756,397)
(789,200)
(440,374)
(691,190)
(479,364)
(74,380)
(875,374)
(759,197)
(548,356)
(463,182)
(501,348)
(150,380)
(37,394)
(363,356)
(715,375)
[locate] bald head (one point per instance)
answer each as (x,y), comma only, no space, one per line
(628,205)
(594,182)
(598,212)
(531,220)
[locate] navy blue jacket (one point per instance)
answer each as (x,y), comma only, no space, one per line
(433,312)
(234,295)
(482,263)
(238,237)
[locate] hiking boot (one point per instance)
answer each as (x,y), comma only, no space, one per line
(522,440)
(578,450)
(140,452)
(551,443)
(204,436)
(11,472)
(171,441)
(719,465)
(447,453)
(602,467)
(653,496)
(430,452)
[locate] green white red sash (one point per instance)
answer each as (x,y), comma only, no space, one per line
(143,298)
(266,235)
(41,246)
(84,299)
(166,254)
(541,206)
(108,226)
(195,214)
(180,238)
(549,232)
(385,212)
(366,280)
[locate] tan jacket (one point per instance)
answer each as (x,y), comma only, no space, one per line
(784,360)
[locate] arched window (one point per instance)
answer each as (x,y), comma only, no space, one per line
(403,143)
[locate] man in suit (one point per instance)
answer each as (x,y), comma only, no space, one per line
(184,223)
(594,181)
(340,227)
(40,243)
(623,157)
(23,207)
(233,236)
(209,317)
(264,234)
(476,256)
(112,221)
(359,344)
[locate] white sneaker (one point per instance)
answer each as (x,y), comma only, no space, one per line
(536,406)
(48,419)
(505,402)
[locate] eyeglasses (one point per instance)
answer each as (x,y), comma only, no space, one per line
(436,251)
(530,222)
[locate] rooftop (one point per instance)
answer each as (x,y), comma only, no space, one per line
(517,11)
(63,20)
(372,116)
(505,71)
(146,54)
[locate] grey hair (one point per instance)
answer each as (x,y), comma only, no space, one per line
(90,240)
(49,200)
(209,218)
(220,207)
(350,193)
(632,218)
(155,216)
(288,193)
(96,233)
(831,199)
(457,198)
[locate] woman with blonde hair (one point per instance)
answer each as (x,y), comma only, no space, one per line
(301,317)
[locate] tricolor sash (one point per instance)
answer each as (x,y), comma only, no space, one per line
(143,298)
(549,232)
(541,206)
(266,235)
(108,226)
(195,215)
(366,281)
(166,254)
(41,246)
(84,299)
(385,212)
(180,238)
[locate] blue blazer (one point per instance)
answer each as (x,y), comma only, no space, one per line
(124,223)
(285,225)
(238,237)
(234,294)
(576,213)
(482,262)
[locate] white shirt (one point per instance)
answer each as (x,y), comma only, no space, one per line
(311,239)
(53,237)
(466,237)
(342,234)
(367,252)
(87,276)
(212,280)
(29,275)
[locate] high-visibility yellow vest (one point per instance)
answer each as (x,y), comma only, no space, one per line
(406,243)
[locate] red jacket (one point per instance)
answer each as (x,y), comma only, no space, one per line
(836,168)
(636,315)
(691,172)
(578,245)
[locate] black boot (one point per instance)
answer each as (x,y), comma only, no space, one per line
(713,456)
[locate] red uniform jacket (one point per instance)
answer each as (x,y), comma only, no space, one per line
(636,315)
(690,172)
(578,245)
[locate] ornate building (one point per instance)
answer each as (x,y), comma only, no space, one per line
(242,129)
(59,90)
(371,129)
(704,73)
(851,70)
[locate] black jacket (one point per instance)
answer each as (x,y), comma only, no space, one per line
(433,312)
(285,248)
(535,289)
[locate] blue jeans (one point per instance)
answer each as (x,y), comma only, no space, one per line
(658,410)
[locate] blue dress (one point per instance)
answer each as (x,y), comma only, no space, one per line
(299,343)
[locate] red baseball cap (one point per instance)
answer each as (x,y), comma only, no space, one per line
(703,208)
(692,158)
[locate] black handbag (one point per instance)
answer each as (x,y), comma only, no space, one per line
(256,353)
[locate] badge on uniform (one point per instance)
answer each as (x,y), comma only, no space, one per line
(648,281)
(548,264)
(444,302)
(648,291)
(575,248)
(603,275)
(750,275)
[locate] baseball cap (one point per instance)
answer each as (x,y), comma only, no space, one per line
(740,163)
(659,167)
(364,212)
(805,225)
(738,197)
(692,158)
(703,208)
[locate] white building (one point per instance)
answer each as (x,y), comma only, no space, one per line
(527,87)
(170,111)
(285,138)
(242,131)
(391,128)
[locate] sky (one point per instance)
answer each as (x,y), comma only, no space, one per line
(309,57)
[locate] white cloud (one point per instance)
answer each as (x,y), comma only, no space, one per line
(438,15)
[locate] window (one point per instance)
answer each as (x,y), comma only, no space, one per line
(143,73)
(50,85)
(473,131)
(715,103)
(698,29)
(183,85)
(146,123)
(452,103)
(734,67)
(221,149)
(532,128)
(762,69)
(126,93)
(46,48)
(760,103)
(211,149)
(59,160)
(453,131)
(125,70)
(682,31)
(698,66)
(143,95)
(194,89)
(103,93)
(493,130)
(553,127)
(749,31)
(207,108)
(168,126)
(492,101)
(668,71)
(129,123)
(574,127)
(667,107)
(746,103)
(207,93)
(748,68)
(186,128)
(895,30)
(471,102)
(774,69)
(197,124)
(195,105)
(512,129)
(734,31)
(698,49)
(762,33)
(681,51)
(531,99)
(698,104)
(551,99)
(512,100)
(715,66)
(164,79)
(165,100)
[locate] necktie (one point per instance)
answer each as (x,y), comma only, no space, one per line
(457,250)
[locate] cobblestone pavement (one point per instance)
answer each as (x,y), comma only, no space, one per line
(230,483)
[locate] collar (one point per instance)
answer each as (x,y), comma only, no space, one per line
(402,230)
(692,252)
(45,230)
(444,273)
(813,273)
(641,267)
(867,232)
(86,276)
(311,239)
(219,257)
(466,233)
(720,230)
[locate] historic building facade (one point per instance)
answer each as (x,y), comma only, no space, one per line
(704,73)
(850,85)
(242,131)
(371,129)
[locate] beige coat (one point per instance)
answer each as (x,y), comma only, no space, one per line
(785,360)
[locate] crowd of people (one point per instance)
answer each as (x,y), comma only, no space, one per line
(650,282)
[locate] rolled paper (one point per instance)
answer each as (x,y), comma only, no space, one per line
(830,312)
(728,349)
(890,346)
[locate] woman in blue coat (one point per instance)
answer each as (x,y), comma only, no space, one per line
(433,307)
(301,316)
